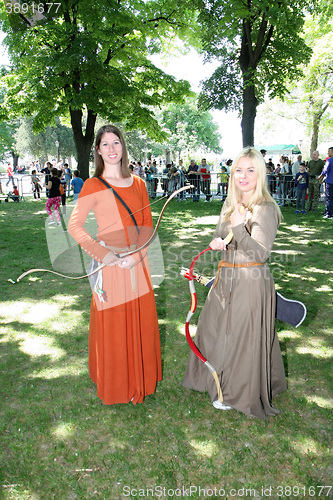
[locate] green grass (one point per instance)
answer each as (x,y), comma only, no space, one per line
(59,442)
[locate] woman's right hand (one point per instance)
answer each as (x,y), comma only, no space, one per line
(110,259)
(217,244)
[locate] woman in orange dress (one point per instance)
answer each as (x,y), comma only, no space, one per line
(124,342)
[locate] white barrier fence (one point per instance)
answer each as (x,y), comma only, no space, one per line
(282,187)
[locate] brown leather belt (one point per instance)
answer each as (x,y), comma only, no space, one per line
(223,263)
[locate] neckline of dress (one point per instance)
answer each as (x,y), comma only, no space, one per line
(115,185)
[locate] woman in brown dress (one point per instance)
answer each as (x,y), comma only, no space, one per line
(236,329)
(124,343)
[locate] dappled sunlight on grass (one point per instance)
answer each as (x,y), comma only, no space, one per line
(63,431)
(306,446)
(319,351)
(281,244)
(287,252)
(115,444)
(322,402)
(289,334)
(28,311)
(35,313)
(300,229)
(61,324)
(74,369)
(34,345)
(205,448)
(186,231)
(41,212)
(320,271)
(181,329)
(324,288)
(210,220)
(291,275)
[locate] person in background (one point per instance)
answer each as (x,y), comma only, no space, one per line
(181,180)
(47,171)
(204,170)
(236,328)
(173,179)
(295,165)
(62,189)
(315,167)
(36,187)
(10,175)
(54,197)
(124,342)
(165,178)
(68,177)
(281,188)
(302,184)
(270,179)
(223,184)
(155,178)
(327,174)
(193,177)
(76,184)
(14,195)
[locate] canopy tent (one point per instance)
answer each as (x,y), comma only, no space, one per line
(281,149)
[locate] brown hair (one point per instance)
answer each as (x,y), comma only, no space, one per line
(99,162)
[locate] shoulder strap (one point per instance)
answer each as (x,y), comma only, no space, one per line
(121,201)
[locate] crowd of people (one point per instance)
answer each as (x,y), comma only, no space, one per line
(299,181)
(169,177)
(289,182)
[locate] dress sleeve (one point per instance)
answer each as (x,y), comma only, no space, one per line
(257,242)
(84,205)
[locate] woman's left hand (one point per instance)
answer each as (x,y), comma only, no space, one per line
(127,262)
(238,216)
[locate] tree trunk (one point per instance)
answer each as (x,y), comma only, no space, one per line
(315,133)
(168,156)
(249,112)
(83,142)
(15,159)
(316,119)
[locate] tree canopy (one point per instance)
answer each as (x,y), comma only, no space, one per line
(189,129)
(259,47)
(91,58)
(316,89)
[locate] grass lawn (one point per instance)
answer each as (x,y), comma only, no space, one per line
(58,441)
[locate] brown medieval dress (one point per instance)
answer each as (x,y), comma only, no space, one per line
(124,342)
(236,328)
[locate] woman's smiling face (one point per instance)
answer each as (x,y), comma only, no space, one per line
(110,148)
(245,176)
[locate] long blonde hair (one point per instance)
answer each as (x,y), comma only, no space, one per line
(99,163)
(261,193)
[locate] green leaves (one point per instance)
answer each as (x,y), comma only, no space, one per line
(93,57)
(258,45)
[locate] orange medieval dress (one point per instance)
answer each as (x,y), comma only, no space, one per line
(124,342)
